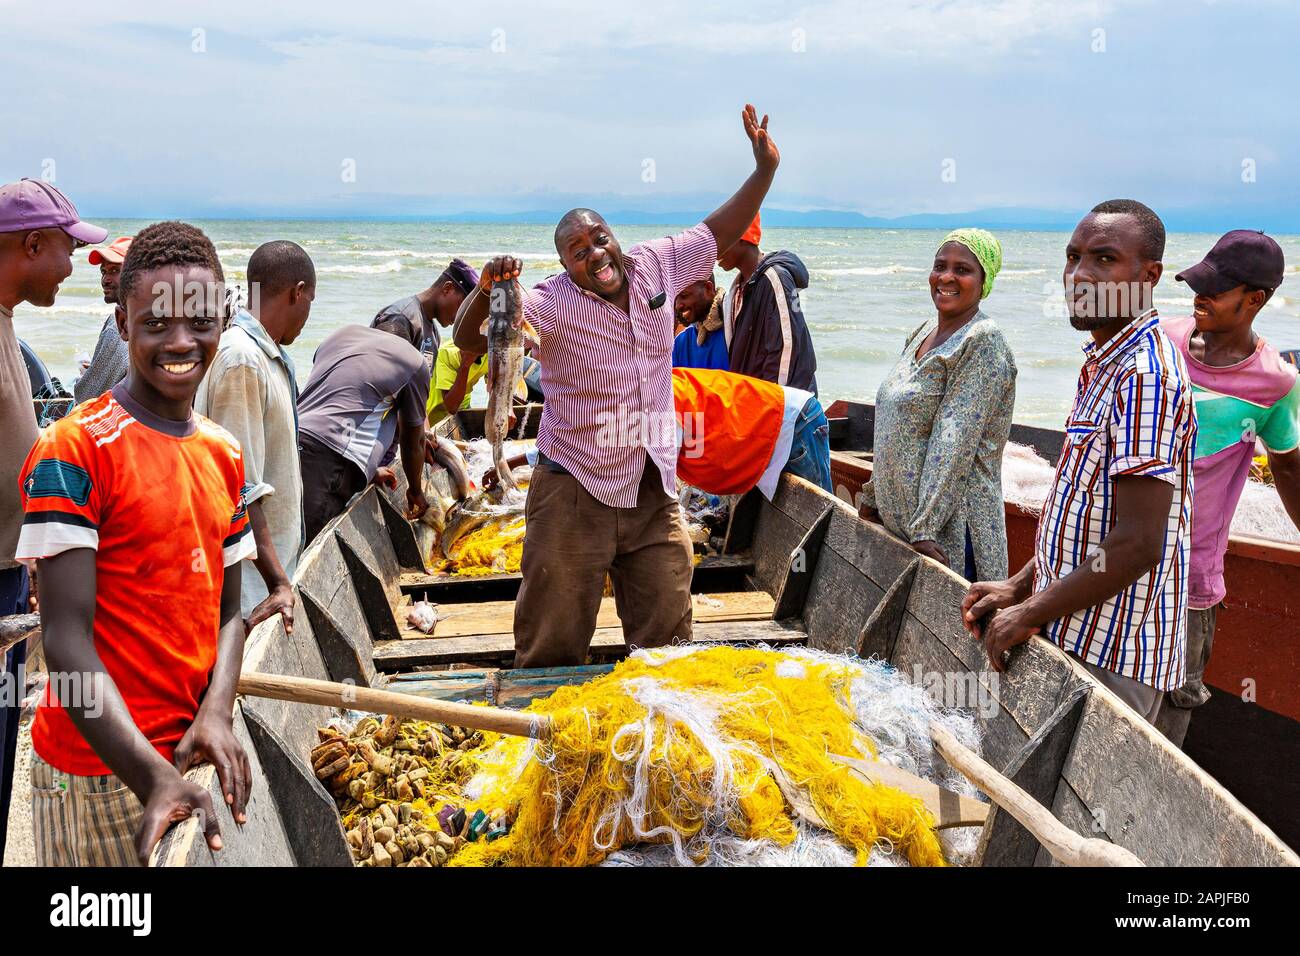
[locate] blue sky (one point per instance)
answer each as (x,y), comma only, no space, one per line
(451,108)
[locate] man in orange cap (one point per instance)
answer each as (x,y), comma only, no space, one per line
(108,365)
(762,319)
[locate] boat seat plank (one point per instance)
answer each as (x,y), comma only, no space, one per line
(606,642)
(499,687)
(498,617)
(444,587)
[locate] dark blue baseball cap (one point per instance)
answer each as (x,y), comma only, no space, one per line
(462,274)
(1241,257)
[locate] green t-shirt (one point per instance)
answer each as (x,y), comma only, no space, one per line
(445,368)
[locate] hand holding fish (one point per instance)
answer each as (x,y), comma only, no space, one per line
(416,503)
(498,269)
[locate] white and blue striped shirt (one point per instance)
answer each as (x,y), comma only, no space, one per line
(1133,416)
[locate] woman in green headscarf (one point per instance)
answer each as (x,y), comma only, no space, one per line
(942,419)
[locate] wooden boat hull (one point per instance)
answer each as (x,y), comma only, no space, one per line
(1252,724)
(825,578)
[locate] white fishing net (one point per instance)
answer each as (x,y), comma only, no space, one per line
(893,712)
(1027,479)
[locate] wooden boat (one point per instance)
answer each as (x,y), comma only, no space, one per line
(801,569)
(1251,726)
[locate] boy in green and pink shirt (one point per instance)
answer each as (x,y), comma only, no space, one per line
(1244,392)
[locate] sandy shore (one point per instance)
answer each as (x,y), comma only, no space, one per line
(19,850)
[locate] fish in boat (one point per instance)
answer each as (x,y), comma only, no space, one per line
(444,452)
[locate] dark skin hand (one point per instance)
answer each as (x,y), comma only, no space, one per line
(592,257)
(1003,614)
(452,398)
(411,439)
(67,623)
(931,549)
(279,598)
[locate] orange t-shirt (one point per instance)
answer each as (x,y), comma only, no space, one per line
(162,505)
(730,428)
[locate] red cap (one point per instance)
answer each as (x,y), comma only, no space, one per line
(115,252)
(754,232)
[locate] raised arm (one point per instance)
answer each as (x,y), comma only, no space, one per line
(730,220)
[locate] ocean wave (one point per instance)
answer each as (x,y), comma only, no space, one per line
(236,251)
(392,265)
(78,308)
(1176,303)
(889,270)
(1022,272)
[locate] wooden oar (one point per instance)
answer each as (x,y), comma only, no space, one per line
(1059,840)
(304,690)
(949,809)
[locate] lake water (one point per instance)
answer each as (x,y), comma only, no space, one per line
(867,292)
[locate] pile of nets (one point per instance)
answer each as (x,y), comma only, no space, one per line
(1027,480)
(497,547)
(681,755)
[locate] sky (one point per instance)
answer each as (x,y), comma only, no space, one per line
(886,109)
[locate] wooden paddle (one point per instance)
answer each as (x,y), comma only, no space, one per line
(949,809)
(1059,840)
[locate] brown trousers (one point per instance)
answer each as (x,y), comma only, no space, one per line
(573,541)
(82,821)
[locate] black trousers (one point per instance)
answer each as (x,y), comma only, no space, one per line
(328,483)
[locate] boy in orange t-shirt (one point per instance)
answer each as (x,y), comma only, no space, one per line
(135,516)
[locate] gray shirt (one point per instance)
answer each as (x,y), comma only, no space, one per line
(409,308)
(17,435)
(249,390)
(107,366)
(361,381)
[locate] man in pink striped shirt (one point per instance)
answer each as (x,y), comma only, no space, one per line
(603,497)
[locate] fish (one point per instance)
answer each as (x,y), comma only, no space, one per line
(435,516)
(505,330)
(444,451)
(471,514)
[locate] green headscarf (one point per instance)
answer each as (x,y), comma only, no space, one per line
(985,247)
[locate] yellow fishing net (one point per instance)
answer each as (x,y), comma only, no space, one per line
(680,744)
(497,547)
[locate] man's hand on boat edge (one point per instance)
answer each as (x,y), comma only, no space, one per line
(989,611)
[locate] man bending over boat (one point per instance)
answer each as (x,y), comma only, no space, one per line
(603,499)
(1108,580)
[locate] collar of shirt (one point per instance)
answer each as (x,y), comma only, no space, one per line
(1123,341)
(247,322)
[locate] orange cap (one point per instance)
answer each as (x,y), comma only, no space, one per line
(754,232)
(115,252)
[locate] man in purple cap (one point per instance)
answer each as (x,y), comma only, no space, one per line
(435,307)
(39,229)
(1245,393)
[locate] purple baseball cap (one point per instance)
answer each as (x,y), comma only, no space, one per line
(30,204)
(1241,257)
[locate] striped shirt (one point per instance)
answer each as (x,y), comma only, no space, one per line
(1133,416)
(607,374)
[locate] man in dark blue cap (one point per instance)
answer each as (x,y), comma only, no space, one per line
(1245,394)
(436,306)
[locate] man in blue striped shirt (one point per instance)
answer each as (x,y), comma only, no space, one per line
(1108,581)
